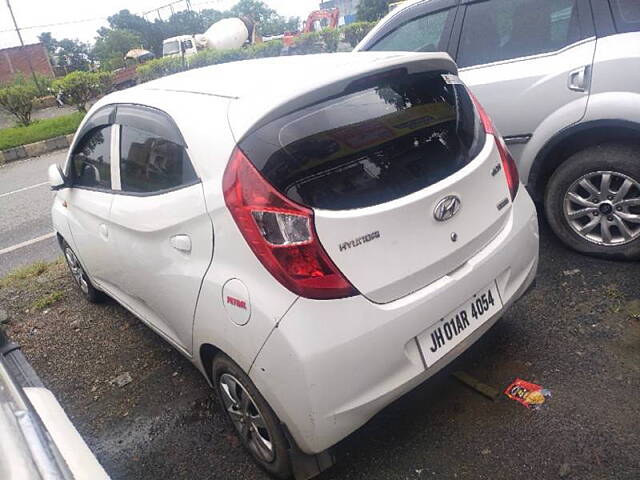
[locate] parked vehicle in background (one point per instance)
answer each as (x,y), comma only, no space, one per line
(127,77)
(561,78)
(226,34)
(367,220)
(316,21)
(38,440)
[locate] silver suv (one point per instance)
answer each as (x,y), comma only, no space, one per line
(561,79)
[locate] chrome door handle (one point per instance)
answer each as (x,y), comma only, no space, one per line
(103,230)
(578,79)
(182,243)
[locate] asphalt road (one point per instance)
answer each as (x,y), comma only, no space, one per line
(25,203)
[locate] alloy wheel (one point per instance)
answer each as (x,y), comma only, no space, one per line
(604,208)
(76,270)
(246,417)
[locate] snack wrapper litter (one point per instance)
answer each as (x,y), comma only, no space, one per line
(528,394)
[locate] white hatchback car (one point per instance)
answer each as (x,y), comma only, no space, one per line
(318,234)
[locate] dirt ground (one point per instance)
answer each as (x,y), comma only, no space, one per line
(577,334)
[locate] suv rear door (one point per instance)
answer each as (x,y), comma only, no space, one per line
(527,60)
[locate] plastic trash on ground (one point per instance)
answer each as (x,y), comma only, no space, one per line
(528,394)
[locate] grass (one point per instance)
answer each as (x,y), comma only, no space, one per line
(39,130)
(28,272)
(47,300)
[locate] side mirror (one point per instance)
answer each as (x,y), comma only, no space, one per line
(56,178)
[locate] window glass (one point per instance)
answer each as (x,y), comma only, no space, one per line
(149,163)
(91,161)
(187,44)
(626,14)
(396,134)
(504,29)
(423,34)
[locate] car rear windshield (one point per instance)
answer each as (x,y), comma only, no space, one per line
(386,137)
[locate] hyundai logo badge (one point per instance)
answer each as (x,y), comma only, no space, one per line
(447,208)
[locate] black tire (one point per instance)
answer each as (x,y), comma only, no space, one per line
(280,466)
(617,158)
(80,277)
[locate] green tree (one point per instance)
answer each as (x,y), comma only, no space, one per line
(81,87)
(268,20)
(17,99)
(72,55)
(372,10)
(112,46)
(151,34)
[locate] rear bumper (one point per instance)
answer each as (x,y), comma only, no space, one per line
(329,366)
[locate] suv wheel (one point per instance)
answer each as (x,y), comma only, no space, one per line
(80,277)
(254,421)
(592,201)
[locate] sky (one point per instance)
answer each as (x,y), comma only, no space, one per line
(86,16)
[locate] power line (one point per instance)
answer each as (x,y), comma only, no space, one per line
(86,20)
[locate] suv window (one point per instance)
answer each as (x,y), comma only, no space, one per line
(149,163)
(505,29)
(91,161)
(422,34)
(626,14)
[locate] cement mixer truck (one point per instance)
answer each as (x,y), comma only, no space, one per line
(223,35)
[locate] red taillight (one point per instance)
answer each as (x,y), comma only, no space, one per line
(281,233)
(508,164)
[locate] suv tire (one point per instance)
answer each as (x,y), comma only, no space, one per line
(604,220)
(251,417)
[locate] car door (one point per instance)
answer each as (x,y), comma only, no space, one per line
(527,61)
(90,197)
(162,232)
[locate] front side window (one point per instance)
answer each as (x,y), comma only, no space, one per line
(187,45)
(149,163)
(505,29)
(422,34)
(171,48)
(91,161)
(626,14)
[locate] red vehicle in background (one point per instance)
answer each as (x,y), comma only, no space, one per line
(316,21)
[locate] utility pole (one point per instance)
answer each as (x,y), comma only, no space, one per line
(33,74)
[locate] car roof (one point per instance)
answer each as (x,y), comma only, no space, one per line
(275,75)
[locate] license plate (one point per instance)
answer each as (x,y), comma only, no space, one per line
(442,337)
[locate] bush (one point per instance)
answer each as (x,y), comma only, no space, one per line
(331,39)
(39,130)
(307,44)
(355,32)
(17,99)
(158,68)
(80,87)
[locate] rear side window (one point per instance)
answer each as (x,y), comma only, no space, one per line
(626,14)
(149,163)
(389,137)
(423,34)
(505,29)
(91,161)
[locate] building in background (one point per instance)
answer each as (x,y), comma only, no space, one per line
(15,61)
(347,9)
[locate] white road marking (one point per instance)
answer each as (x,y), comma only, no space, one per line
(27,243)
(23,189)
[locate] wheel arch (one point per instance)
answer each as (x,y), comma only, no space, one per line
(572,140)
(207,352)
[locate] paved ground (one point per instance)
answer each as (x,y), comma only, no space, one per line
(578,335)
(25,205)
